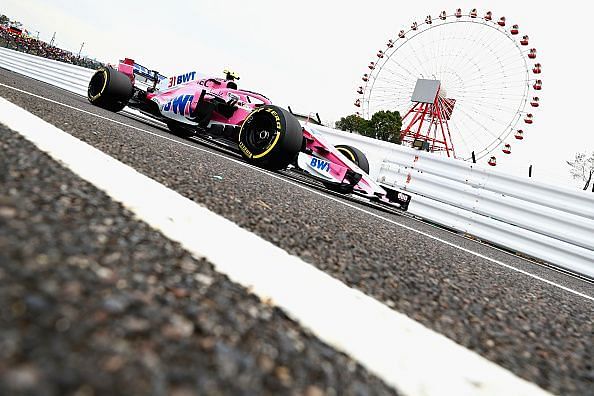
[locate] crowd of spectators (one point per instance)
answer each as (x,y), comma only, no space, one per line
(22,43)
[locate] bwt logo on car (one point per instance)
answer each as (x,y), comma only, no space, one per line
(182,78)
(178,104)
(317,163)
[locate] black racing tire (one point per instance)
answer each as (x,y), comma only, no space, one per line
(110,89)
(355,155)
(270,137)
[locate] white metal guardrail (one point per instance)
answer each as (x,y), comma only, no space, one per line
(69,77)
(551,223)
(547,222)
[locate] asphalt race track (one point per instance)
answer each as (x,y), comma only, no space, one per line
(95,301)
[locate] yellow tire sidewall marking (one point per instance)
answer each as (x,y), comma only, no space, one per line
(348,153)
(269,148)
(104,85)
(278,132)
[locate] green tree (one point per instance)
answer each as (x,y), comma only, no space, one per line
(4,19)
(386,125)
(582,167)
(353,123)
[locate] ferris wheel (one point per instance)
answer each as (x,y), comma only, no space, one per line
(465,84)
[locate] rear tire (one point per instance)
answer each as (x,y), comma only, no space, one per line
(355,155)
(270,137)
(110,89)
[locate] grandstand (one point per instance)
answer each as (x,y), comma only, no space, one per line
(14,37)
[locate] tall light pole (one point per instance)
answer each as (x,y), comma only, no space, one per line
(81,47)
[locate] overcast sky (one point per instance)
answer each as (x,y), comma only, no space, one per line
(311,54)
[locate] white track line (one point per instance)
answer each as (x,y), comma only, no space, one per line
(408,356)
(491,260)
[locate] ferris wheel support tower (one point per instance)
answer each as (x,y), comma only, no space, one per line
(426,123)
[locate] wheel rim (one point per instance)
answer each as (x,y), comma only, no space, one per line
(260,132)
(97,84)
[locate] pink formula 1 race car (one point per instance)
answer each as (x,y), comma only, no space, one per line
(265,135)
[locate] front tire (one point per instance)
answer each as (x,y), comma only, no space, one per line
(355,155)
(270,137)
(358,158)
(110,89)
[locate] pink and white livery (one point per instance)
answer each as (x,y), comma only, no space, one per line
(265,135)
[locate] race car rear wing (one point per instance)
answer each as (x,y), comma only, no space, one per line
(143,77)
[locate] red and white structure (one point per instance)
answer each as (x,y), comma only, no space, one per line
(466,82)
